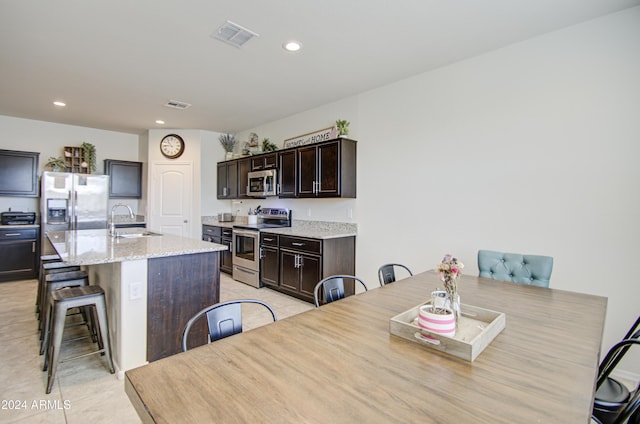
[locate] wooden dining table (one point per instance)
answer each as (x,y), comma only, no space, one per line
(340,364)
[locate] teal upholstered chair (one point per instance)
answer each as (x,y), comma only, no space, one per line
(534,270)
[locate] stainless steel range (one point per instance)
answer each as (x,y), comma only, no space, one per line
(246,244)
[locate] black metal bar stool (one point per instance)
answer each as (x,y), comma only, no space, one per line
(49,264)
(55,282)
(76,297)
(44,259)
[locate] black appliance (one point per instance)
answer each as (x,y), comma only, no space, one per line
(18,218)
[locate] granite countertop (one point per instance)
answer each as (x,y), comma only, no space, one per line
(90,247)
(299,228)
(316,229)
(213,220)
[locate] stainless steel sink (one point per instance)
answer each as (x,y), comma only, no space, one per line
(137,235)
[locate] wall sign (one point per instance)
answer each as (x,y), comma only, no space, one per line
(324,134)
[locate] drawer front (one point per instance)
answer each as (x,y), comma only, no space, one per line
(18,234)
(302,244)
(209,230)
(268,239)
(227,232)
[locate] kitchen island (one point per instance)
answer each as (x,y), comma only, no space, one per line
(153,284)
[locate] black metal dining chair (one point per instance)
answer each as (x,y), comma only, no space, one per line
(333,288)
(613,401)
(224,319)
(387,273)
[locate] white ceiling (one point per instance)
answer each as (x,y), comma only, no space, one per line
(117,62)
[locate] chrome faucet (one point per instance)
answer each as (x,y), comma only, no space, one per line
(112,227)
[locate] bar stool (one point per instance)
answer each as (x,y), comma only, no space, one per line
(75,297)
(44,259)
(55,282)
(49,265)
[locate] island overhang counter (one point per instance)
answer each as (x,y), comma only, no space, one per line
(153,284)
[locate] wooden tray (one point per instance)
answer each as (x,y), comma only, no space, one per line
(476,329)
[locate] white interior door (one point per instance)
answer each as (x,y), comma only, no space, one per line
(172,196)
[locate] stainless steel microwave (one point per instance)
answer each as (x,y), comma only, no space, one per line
(262,183)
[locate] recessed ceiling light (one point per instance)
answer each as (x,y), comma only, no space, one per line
(59,103)
(160,121)
(292,46)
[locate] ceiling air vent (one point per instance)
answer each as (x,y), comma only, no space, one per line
(233,34)
(177,105)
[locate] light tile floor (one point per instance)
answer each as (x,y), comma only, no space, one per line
(84,390)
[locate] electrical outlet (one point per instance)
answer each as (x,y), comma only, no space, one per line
(309,212)
(350,213)
(135,291)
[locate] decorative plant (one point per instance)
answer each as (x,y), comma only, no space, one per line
(449,270)
(89,155)
(56,164)
(227,141)
(268,146)
(253,140)
(343,126)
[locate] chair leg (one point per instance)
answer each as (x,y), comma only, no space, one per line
(101,310)
(53,351)
(46,333)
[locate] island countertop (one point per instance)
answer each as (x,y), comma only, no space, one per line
(90,247)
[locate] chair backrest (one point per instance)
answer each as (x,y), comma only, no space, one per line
(613,410)
(224,319)
(333,288)
(616,353)
(387,273)
(534,270)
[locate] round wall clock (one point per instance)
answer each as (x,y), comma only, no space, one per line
(172,146)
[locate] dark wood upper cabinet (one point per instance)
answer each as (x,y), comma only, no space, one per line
(264,161)
(125,178)
(327,169)
(227,180)
(243,177)
(288,173)
(18,173)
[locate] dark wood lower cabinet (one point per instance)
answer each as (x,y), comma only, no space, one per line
(179,287)
(302,262)
(224,236)
(19,249)
(269,266)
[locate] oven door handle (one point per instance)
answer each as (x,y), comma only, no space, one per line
(248,233)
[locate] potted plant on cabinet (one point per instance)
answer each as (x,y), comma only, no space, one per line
(56,164)
(89,152)
(228,141)
(342,126)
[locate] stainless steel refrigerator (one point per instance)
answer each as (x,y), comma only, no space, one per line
(72,202)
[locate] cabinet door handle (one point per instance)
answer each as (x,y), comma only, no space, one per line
(12,234)
(267,239)
(300,262)
(33,247)
(297,261)
(297,244)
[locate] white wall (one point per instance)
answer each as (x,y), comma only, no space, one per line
(532,148)
(203,151)
(50,138)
